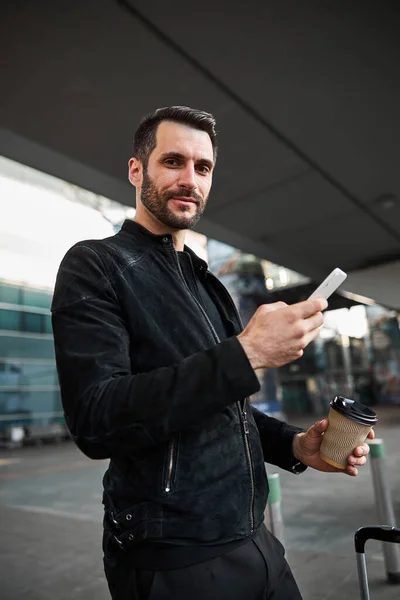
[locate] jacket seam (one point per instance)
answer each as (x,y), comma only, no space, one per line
(126,266)
(110,280)
(103,439)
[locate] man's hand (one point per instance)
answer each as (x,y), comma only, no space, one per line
(277,333)
(306,448)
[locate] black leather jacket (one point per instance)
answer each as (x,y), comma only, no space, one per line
(145,382)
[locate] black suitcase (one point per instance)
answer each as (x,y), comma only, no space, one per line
(362,535)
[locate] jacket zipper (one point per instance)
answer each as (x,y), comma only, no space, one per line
(171,452)
(195,299)
(171,446)
(248,451)
(243,417)
(242,413)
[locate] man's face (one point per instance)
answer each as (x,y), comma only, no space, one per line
(178,178)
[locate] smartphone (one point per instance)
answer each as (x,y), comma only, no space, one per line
(330,284)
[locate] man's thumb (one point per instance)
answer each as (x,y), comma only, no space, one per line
(319,427)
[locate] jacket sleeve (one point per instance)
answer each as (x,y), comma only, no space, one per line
(108,409)
(277,441)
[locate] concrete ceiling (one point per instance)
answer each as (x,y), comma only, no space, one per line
(306,95)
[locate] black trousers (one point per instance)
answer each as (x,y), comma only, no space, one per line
(256,570)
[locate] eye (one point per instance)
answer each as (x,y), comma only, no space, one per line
(204,169)
(171,162)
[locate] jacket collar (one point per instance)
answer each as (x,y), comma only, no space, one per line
(160,240)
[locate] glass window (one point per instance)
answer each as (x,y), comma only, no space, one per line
(10,320)
(14,374)
(37,298)
(9,293)
(39,374)
(23,346)
(47,324)
(9,375)
(32,322)
(39,408)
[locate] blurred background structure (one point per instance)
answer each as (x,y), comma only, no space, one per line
(357,353)
(306,96)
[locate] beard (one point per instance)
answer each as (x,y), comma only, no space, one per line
(156,203)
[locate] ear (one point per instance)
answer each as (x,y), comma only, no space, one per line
(135,172)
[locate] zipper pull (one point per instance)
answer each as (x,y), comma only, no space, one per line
(245,422)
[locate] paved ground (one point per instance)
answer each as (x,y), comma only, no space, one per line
(50,524)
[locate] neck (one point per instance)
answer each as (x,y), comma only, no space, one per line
(150,222)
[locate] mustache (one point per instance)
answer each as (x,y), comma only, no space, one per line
(184,194)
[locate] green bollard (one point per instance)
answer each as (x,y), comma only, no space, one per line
(273,511)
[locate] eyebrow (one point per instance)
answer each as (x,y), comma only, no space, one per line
(179,156)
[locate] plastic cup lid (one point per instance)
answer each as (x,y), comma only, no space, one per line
(354,410)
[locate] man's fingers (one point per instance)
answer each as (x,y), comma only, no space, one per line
(359,462)
(310,307)
(314,322)
(362,450)
(310,337)
(273,306)
(352,471)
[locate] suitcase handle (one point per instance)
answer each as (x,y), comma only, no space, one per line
(383,533)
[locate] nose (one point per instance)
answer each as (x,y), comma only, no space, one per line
(187,177)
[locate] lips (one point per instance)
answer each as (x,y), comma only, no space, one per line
(185,199)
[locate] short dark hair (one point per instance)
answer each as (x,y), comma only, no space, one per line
(145,137)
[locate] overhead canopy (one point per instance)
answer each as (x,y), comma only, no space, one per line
(306,95)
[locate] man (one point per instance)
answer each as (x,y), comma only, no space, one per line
(155,372)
